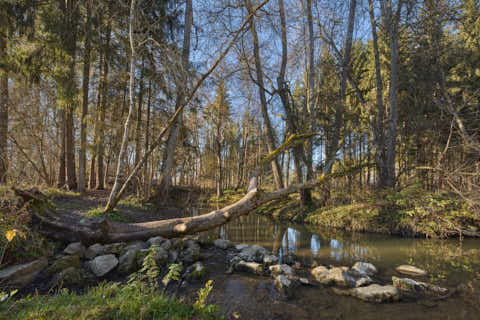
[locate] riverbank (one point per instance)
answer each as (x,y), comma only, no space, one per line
(243,295)
(408,212)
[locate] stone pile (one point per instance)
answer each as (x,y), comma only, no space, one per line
(78,263)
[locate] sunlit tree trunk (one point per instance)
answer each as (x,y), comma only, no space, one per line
(269,132)
(123,149)
(311,88)
(292,122)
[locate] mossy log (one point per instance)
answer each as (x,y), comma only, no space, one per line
(71,227)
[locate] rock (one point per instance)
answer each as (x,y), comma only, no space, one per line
(115,248)
(69,276)
(136,245)
(102,265)
(197,271)
(250,267)
(284,285)
(205,241)
(20,275)
(340,276)
(75,248)
(241,246)
(177,243)
(321,274)
(410,285)
(166,245)
(127,263)
(281,269)
(157,241)
(254,253)
(410,270)
(365,268)
(94,250)
(160,255)
(222,244)
(173,256)
(269,260)
(63,263)
(376,293)
(191,253)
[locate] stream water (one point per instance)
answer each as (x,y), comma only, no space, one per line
(448,262)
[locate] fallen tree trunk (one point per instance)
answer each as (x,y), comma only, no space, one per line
(71,227)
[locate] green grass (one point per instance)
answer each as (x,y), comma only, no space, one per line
(229,196)
(115,215)
(106,301)
(410,211)
(55,193)
(135,203)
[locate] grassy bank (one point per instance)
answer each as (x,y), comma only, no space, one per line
(410,211)
(106,301)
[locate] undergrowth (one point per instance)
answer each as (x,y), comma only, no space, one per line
(138,299)
(410,211)
(14,216)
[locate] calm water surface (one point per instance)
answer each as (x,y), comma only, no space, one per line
(448,262)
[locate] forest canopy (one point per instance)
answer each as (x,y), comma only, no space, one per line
(142,95)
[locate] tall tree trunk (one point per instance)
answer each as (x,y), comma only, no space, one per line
(123,149)
(391,20)
(340,105)
(292,122)
(82,166)
(311,89)
(219,174)
(146,184)
(269,132)
(61,170)
(138,125)
(3,110)
(71,49)
(103,106)
(378,130)
(93,174)
(392,23)
(169,155)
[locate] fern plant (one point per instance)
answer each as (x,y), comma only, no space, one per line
(203,293)
(148,273)
(173,274)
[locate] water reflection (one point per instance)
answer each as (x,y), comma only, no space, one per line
(334,247)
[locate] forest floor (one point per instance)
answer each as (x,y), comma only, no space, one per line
(238,295)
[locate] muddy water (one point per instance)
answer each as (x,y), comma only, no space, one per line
(449,263)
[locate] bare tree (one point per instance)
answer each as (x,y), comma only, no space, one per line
(117,190)
(270,134)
